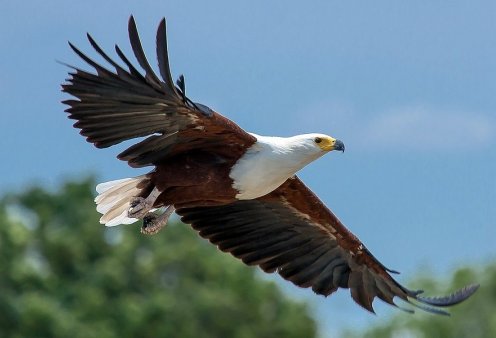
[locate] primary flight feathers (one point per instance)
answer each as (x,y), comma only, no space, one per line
(237,189)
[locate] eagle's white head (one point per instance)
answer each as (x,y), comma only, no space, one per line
(310,143)
(272,160)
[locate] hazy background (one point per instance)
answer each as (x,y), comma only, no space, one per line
(410,89)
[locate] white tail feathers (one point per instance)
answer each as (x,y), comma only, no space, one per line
(114,197)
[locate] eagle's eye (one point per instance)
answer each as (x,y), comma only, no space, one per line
(318,140)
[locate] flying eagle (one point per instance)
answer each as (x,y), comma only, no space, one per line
(237,189)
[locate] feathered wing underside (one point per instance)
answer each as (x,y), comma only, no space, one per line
(112,106)
(292,233)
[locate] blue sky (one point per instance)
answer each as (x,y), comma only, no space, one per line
(409,87)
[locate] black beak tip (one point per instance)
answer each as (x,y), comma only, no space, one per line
(339,145)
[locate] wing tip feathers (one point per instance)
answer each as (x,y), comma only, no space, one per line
(454,298)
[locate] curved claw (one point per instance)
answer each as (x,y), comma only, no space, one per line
(139,208)
(152,223)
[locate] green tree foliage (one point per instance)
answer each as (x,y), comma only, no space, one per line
(475,318)
(64,275)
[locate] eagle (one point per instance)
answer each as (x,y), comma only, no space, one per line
(239,190)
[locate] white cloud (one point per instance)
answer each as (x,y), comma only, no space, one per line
(423,129)
(413,128)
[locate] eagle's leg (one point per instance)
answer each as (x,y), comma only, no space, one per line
(152,223)
(140,206)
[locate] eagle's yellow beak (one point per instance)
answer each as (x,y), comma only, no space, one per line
(330,144)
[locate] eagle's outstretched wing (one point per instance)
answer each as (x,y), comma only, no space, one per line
(115,106)
(291,232)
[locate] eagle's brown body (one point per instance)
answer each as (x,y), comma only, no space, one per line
(194,179)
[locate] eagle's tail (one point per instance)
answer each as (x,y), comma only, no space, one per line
(114,198)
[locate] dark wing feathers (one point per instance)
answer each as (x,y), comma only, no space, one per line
(119,105)
(132,70)
(162,54)
(121,72)
(455,298)
(150,76)
(292,233)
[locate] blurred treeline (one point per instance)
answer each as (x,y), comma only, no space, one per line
(62,274)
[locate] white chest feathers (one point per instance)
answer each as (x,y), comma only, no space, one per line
(270,162)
